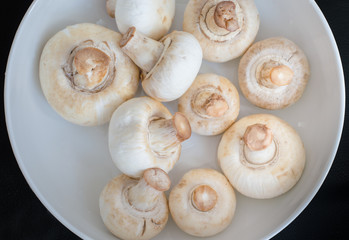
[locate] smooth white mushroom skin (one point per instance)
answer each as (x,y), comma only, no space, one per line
(84,75)
(225,29)
(143,134)
(256,165)
(133,209)
(273,73)
(153,18)
(203,203)
(175,68)
(211,104)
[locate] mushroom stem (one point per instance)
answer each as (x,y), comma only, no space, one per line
(204,198)
(225,16)
(165,134)
(209,103)
(259,145)
(144,195)
(274,74)
(144,51)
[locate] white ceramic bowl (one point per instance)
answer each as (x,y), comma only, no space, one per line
(67,165)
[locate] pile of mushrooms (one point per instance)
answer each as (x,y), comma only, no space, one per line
(262,156)
(143,134)
(136,209)
(203,203)
(169,66)
(84,75)
(153,18)
(225,29)
(273,73)
(211,104)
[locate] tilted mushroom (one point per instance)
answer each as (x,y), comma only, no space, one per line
(211,104)
(203,203)
(84,74)
(153,18)
(136,209)
(225,29)
(143,134)
(262,156)
(169,65)
(273,73)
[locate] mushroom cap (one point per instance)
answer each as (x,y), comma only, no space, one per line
(176,69)
(202,123)
(221,48)
(110,7)
(188,217)
(153,18)
(284,52)
(265,179)
(122,219)
(79,107)
(129,137)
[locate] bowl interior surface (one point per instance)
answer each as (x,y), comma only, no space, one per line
(67,166)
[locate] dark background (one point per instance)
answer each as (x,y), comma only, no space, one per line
(23,216)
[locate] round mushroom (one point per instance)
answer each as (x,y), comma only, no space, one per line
(84,75)
(211,104)
(136,209)
(169,65)
(143,134)
(203,203)
(262,156)
(225,29)
(273,73)
(153,18)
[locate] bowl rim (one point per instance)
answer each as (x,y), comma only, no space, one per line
(82,235)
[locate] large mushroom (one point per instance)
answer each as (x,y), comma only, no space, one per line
(136,209)
(143,134)
(84,74)
(169,65)
(273,73)
(262,156)
(211,104)
(153,18)
(203,203)
(225,29)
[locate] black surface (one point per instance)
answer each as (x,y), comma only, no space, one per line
(24,217)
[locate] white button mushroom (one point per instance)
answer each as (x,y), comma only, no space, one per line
(203,203)
(133,209)
(211,104)
(84,74)
(225,29)
(273,73)
(169,66)
(143,134)
(153,18)
(262,156)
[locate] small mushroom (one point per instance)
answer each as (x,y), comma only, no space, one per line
(273,73)
(136,209)
(211,104)
(152,17)
(169,65)
(143,134)
(203,203)
(262,156)
(84,75)
(225,29)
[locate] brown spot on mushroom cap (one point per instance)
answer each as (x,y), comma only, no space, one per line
(225,16)
(157,179)
(182,125)
(204,198)
(258,137)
